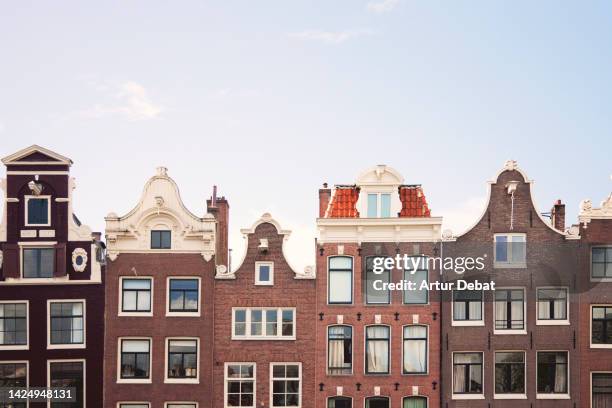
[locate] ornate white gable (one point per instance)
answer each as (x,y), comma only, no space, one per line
(160,208)
(587,212)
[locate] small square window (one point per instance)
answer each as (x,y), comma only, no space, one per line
(161,239)
(264,273)
(510,251)
(183,296)
(38,262)
(66,324)
(552,306)
(38,211)
(136,295)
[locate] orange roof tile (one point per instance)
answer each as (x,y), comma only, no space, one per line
(413,201)
(343,204)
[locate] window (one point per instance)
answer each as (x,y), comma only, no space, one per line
(286,385)
(377,349)
(240,385)
(339,402)
(263,323)
(340,280)
(135,359)
(601,325)
(510,372)
(414,402)
(415,350)
(339,350)
(379,205)
(377,402)
(182,359)
(418,276)
(14,375)
(467,305)
(68,374)
(38,262)
(552,372)
(510,250)
(134,405)
(552,305)
(38,211)
(13,324)
(182,405)
(601,390)
(161,239)
(467,373)
(136,295)
(374,295)
(264,273)
(601,262)
(509,309)
(66,323)
(183,295)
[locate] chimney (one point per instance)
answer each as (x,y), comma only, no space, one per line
(558,216)
(219,207)
(324,197)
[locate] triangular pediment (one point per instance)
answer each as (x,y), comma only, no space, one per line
(36,155)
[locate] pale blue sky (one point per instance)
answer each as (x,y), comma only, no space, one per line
(268,99)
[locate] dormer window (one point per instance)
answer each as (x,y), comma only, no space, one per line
(379,205)
(264,273)
(37,211)
(161,239)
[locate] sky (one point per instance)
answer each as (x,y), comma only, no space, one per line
(269,99)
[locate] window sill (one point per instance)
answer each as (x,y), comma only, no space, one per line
(598,280)
(510,396)
(183,314)
(126,381)
(14,347)
(264,284)
(552,396)
(468,396)
(601,346)
(135,314)
(181,381)
(287,338)
(508,332)
(509,265)
(65,346)
(552,322)
(467,323)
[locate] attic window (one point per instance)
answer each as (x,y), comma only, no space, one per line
(264,273)
(38,211)
(161,239)
(379,205)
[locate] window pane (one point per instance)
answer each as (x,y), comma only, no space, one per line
(136,284)
(264,273)
(340,286)
(501,248)
(417,296)
(135,346)
(372,205)
(385,205)
(67,374)
(374,295)
(38,211)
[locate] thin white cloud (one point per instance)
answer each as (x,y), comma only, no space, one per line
(330,37)
(383,6)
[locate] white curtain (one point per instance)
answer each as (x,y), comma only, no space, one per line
(378,350)
(459,378)
(501,314)
(561,373)
(459,310)
(516,309)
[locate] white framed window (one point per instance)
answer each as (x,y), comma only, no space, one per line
(182,360)
(340,280)
(135,296)
(264,273)
(509,311)
(379,205)
(601,388)
(417,276)
(552,375)
(239,388)
(181,405)
(375,292)
(66,323)
(183,296)
(130,404)
(553,306)
(601,263)
(601,326)
(134,360)
(14,325)
(414,402)
(468,381)
(377,353)
(14,374)
(37,211)
(339,402)
(286,385)
(468,308)
(255,323)
(161,239)
(67,373)
(510,251)
(340,350)
(377,402)
(415,349)
(37,261)
(510,378)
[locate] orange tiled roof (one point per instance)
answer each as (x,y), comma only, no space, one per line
(413,201)
(344,201)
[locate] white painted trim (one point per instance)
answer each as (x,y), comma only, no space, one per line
(352,302)
(511,331)
(426,350)
(272,364)
(135,314)
(73,360)
(327,350)
(467,323)
(148,404)
(34,173)
(365,355)
(264,283)
(27,364)
(27,198)
(279,321)
(14,159)
(548,322)
(66,346)
(119,349)
(20,346)
(183,314)
(473,395)
(553,395)
(509,396)
(168,380)
(591,345)
(226,379)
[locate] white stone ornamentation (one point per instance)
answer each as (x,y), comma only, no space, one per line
(510,165)
(79,259)
(222,272)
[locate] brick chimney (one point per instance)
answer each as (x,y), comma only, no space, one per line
(558,216)
(324,197)
(219,207)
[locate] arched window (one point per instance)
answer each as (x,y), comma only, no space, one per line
(339,350)
(377,349)
(340,280)
(415,349)
(414,402)
(377,402)
(339,402)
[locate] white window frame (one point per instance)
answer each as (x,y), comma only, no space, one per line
(169,380)
(389,351)
(591,384)
(554,396)
(327,349)
(507,396)
(66,346)
(591,344)
(511,331)
(416,396)
(593,279)
(136,380)
(168,403)
(279,321)
(69,360)
(259,282)
(559,322)
(120,311)
(27,198)
(37,245)
(272,378)
(27,364)
(379,195)
(467,396)
(352,282)
(19,346)
(340,396)
(509,264)
(180,314)
(226,379)
(148,404)
(426,350)
(467,323)
(366,397)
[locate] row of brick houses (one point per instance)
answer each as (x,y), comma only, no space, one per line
(155,317)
